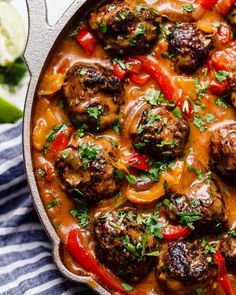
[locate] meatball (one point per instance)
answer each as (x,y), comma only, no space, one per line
(223,151)
(86,168)
(201,208)
(126,27)
(231,18)
(184,267)
(122,244)
(161,134)
(93,94)
(189,47)
(228,249)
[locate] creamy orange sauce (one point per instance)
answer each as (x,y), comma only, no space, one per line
(67,54)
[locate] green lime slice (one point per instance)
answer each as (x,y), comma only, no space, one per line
(12,34)
(8,112)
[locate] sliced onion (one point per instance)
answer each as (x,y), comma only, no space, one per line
(132,116)
(173,10)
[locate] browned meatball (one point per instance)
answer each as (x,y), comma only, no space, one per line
(223,151)
(86,168)
(126,27)
(202,208)
(93,94)
(189,47)
(231,18)
(228,249)
(184,267)
(161,134)
(122,244)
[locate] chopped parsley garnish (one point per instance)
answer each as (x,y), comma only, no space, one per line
(154,97)
(155,254)
(95,112)
(88,152)
(221,76)
(75,32)
(111,7)
(116,126)
(127,287)
(81,131)
(187,218)
(124,14)
(200,88)
(45,149)
(198,121)
(167,55)
(220,101)
(141,7)
(81,212)
(41,172)
(198,172)
(199,291)
(121,64)
(131,178)
(103,27)
(210,249)
(232,233)
(210,118)
(164,31)
(188,7)
(141,30)
(53,204)
(177,112)
(168,204)
(152,226)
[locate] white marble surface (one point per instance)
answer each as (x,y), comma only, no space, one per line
(55,10)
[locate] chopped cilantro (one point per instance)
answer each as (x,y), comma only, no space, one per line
(141,7)
(81,212)
(232,233)
(210,118)
(220,101)
(187,218)
(188,7)
(198,121)
(154,97)
(200,88)
(210,249)
(121,64)
(116,126)
(95,112)
(111,7)
(81,131)
(53,204)
(167,55)
(131,178)
(152,226)
(124,14)
(221,76)
(198,172)
(199,291)
(177,113)
(41,172)
(103,27)
(141,30)
(127,287)
(155,254)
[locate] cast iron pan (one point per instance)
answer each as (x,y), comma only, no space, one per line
(42,42)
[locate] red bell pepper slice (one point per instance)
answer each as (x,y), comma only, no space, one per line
(224,34)
(139,162)
(219,61)
(224,6)
(172,233)
(186,107)
(158,74)
(74,244)
(224,280)
(62,140)
(87,41)
(218,88)
(208,4)
(118,71)
(140,79)
(48,169)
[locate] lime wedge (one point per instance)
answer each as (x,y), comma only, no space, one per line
(12,34)
(9,113)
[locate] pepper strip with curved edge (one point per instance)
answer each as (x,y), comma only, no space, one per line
(74,244)
(61,142)
(208,4)
(179,232)
(166,85)
(139,162)
(224,280)
(87,41)
(224,6)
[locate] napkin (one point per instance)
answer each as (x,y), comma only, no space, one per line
(26,265)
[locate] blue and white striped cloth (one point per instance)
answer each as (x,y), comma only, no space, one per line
(26,265)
